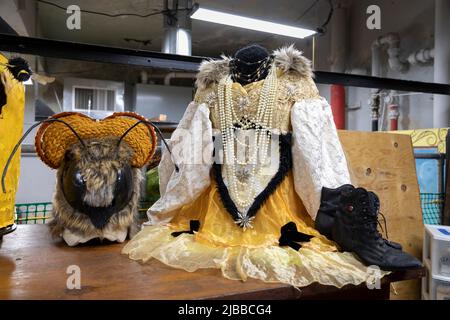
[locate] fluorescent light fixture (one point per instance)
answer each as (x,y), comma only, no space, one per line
(250,23)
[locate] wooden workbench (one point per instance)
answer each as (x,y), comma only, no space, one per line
(33,266)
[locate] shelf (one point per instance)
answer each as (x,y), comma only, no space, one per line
(441,278)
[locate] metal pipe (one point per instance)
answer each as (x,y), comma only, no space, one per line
(392,42)
(441,114)
(394,114)
(338,105)
(178,75)
(177,29)
(339,37)
(375,107)
(376,60)
(421,56)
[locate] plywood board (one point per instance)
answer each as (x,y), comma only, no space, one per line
(384,163)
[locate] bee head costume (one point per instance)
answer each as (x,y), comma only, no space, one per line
(98,178)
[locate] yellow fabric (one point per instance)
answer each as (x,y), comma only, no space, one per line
(218,228)
(11,126)
(253,253)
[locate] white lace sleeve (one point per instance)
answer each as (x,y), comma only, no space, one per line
(192,149)
(318,157)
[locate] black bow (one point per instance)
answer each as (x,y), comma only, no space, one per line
(290,236)
(194,226)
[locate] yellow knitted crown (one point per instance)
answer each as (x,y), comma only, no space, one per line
(54,138)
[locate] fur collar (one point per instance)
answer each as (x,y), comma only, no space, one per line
(286,58)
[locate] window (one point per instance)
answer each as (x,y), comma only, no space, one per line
(93,97)
(87,99)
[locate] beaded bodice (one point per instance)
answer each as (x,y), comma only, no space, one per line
(251,122)
(292,87)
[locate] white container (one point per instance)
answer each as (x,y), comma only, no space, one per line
(436,251)
(434,289)
(442,290)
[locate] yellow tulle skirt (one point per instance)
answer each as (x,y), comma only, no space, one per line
(253,253)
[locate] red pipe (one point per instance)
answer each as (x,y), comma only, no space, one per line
(394,114)
(338,105)
(394,124)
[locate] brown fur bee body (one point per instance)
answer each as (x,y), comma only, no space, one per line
(99,168)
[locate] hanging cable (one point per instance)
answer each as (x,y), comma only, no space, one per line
(110,15)
(323,28)
(308,10)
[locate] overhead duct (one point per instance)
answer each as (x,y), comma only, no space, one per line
(177,27)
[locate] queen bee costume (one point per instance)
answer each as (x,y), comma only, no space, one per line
(242,187)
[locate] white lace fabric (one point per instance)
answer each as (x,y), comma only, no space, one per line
(193,135)
(318,158)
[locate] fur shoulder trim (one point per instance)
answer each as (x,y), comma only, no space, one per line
(212,71)
(289,58)
(286,58)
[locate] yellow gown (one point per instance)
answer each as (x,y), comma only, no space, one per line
(255,252)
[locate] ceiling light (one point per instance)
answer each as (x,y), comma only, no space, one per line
(250,23)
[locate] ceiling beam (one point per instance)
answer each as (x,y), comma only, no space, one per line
(95,53)
(103,54)
(352,80)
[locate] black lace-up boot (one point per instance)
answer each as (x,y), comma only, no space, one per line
(349,216)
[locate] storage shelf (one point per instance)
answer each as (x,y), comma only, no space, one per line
(441,278)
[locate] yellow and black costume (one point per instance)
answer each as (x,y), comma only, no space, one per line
(204,219)
(12,104)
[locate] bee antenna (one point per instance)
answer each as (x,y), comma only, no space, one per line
(16,147)
(158,131)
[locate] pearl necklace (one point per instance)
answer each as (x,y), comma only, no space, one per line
(258,155)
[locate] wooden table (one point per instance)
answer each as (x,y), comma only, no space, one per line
(33,266)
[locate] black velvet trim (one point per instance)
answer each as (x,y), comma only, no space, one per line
(227,202)
(285,165)
(291,237)
(194,226)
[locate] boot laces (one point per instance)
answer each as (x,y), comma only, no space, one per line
(379,213)
(385,230)
(371,218)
